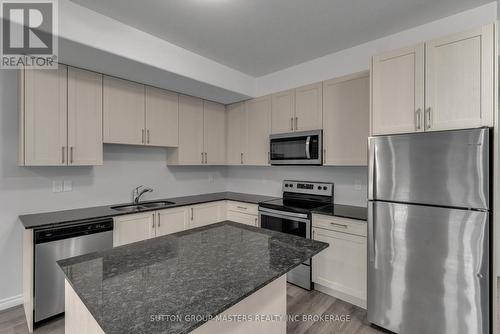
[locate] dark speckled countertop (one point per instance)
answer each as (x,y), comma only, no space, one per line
(202,271)
(47,219)
(345,211)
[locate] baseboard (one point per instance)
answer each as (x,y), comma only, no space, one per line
(11,302)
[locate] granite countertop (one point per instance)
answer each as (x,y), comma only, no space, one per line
(200,272)
(345,211)
(47,219)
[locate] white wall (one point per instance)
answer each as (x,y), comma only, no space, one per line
(357,58)
(350,182)
(28,189)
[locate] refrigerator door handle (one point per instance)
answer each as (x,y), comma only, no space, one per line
(371,232)
(371,168)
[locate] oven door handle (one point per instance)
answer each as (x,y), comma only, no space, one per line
(279,215)
(308,147)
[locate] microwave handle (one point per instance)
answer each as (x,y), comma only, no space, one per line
(308,147)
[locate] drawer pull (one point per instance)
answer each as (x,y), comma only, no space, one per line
(339,225)
(241,207)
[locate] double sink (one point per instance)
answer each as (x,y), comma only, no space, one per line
(142,206)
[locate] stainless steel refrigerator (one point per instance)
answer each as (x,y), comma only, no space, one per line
(428,224)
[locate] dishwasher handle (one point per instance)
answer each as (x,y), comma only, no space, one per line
(74,230)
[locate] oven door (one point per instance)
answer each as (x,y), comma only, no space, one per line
(297,148)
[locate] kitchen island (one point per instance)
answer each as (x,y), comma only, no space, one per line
(222,277)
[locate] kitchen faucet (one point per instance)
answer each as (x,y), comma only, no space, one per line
(137,193)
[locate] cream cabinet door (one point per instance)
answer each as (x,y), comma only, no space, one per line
(283,112)
(342,266)
(162,117)
(190,149)
(258,127)
(459,80)
(172,220)
(214,133)
(235,133)
(398,91)
(243,218)
(84,117)
(133,228)
(309,107)
(205,214)
(45,117)
(123,108)
(346,118)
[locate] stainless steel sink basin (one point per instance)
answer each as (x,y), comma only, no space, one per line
(142,206)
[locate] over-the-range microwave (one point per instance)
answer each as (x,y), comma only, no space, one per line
(296,148)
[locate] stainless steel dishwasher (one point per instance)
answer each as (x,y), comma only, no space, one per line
(57,243)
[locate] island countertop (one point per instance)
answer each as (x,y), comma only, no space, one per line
(192,275)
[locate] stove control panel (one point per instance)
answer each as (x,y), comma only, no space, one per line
(304,187)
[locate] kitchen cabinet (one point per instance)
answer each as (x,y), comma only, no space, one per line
(162,117)
(346,113)
(283,112)
(453,90)
(60,117)
(341,269)
(214,133)
(243,218)
(309,107)
(133,228)
(171,221)
(236,136)
(207,213)
(258,128)
(243,213)
(398,91)
(84,117)
(124,112)
(459,80)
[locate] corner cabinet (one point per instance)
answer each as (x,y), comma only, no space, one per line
(214,133)
(207,213)
(60,117)
(133,228)
(444,84)
(258,128)
(346,113)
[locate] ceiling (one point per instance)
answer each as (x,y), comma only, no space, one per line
(258,37)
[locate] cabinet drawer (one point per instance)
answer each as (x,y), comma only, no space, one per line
(345,225)
(251,209)
(243,218)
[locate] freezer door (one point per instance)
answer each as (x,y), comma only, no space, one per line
(448,168)
(428,269)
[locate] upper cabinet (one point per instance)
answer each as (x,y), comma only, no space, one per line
(398,91)
(235,133)
(124,112)
(453,90)
(283,112)
(258,128)
(459,80)
(162,117)
(309,107)
(346,113)
(60,117)
(214,133)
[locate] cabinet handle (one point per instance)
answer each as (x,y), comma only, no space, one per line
(428,118)
(314,232)
(296,123)
(148,136)
(242,207)
(192,214)
(339,225)
(142,136)
(417,118)
(291,123)
(63,148)
(159,222)
(153,221)
(71,154)
(256,222)
(241,158)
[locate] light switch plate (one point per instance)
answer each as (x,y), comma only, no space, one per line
(67,185)
(57,186)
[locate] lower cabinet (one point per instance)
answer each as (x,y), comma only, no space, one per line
(207,213)
(340,270)
(133,228)
(172,220)
(243,213)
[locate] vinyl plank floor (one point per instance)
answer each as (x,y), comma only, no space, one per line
(302,306)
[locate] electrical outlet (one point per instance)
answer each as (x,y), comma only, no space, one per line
(358,184)
(67,185)
(57,186)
